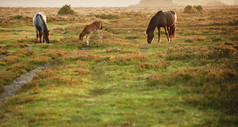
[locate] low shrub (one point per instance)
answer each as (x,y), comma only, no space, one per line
(17,17)
(193,9)
(188,9)
(65,10)
(199,8)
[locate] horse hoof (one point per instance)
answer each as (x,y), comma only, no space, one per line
(158,42)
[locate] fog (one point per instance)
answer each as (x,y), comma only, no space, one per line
(105,3)
(203,2)
(73,3)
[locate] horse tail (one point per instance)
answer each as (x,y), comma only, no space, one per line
(173,27)
(172,31)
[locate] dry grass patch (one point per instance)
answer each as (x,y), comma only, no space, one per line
(217,86)
(3,51)
(54,53)
(39,60)
(10,59)
(224,51)
(127,59)
(23,52)
(82,71)
(155,66)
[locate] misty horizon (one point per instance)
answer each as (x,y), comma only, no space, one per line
(98,3)
(73,3)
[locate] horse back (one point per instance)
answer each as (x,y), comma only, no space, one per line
(39,18)
(160,19)
(92,27)
(170,17)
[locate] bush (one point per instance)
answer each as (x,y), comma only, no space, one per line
(188,9)
(199,8)
(17,17)
(193,9)
(65,10)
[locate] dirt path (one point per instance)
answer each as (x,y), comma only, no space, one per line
(12,89)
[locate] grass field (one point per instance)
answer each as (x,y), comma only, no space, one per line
(123,81)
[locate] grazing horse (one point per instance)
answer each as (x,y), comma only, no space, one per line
(39,21)
(162,19)
(89,29)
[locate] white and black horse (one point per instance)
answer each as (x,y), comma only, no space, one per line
(39,21)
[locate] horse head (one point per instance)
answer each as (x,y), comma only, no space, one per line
(81,37)
(47,36)
(98,25)
(150,36)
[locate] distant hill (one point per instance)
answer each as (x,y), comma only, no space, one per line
(155,3)
(162,3)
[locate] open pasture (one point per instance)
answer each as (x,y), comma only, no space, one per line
(122,81)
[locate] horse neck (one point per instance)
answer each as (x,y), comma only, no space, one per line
(100,25)
(152,25)
(97,25)
(84,33)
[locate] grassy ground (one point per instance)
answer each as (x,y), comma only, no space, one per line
(122,81)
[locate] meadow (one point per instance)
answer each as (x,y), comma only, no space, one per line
(122,81)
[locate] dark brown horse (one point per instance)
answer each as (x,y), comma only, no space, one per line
(162,19)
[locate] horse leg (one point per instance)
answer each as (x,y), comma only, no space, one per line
(170,33)
(166,32)
(40,33)
(158,35)
(100,35)
(88,38)
(37,36)
(43,38)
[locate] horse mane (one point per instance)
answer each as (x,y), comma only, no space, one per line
(151,25)
(44,23)
(45,28)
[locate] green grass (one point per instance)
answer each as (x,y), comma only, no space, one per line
(123,81)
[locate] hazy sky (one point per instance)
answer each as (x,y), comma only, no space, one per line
(73,3)
(89,3)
